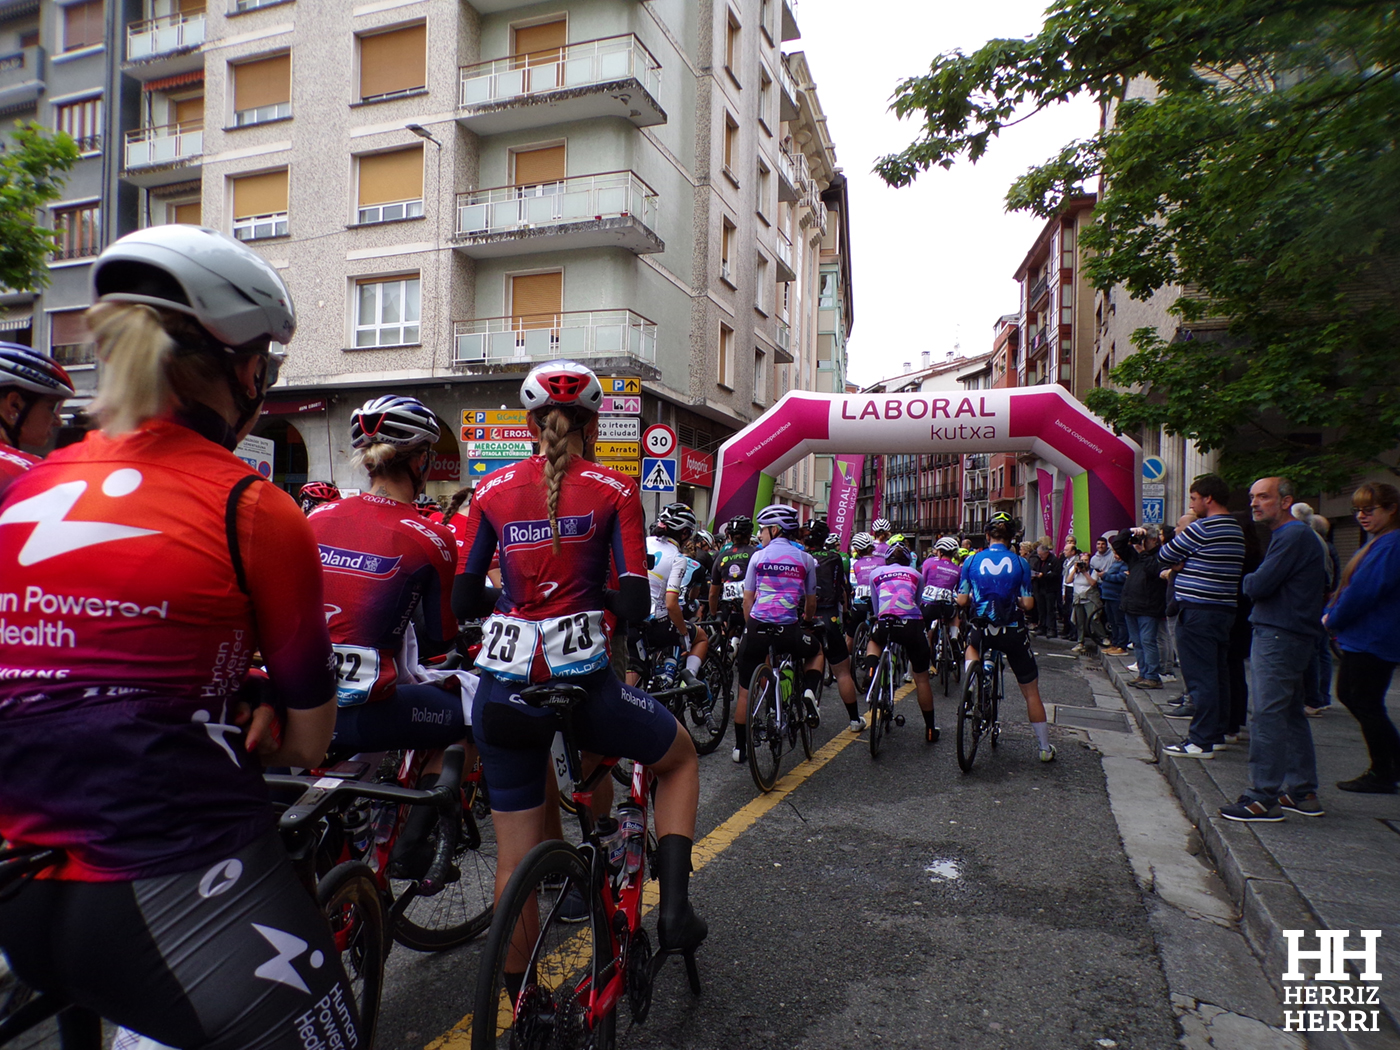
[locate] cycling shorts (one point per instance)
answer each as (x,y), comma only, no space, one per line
(934,612)
(654,636)
(515,738)
(831,636)
(1013,641)
(792,638)
(908,633)
(856,615)
(418,716)
(228,957)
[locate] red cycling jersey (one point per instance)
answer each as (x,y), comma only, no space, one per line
(381,559)
(14,464)
(124,637)
(601,532)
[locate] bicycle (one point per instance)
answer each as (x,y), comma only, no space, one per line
(573,977)
(860,642)
(879,697)
(776,713)
(981,702)
(946,655)
(705,716)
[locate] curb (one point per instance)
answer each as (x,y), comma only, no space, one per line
(1268,901)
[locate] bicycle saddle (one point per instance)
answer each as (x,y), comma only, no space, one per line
(553,695)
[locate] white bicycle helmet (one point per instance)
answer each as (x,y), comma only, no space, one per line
(880,525)
(833,542)
(862,541)
(399,421)
(947,544)
(231,290)
(561,383)
(779,516)
(677,517)
(33,372)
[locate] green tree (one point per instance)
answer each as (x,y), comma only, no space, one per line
(1263,178)
(32,166)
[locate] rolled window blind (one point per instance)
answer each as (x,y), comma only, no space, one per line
(551,36)
(191,213)
(387,177)
(534,166)
(393,62)
(68,329)
(264,83)
(538,297)
(264,194)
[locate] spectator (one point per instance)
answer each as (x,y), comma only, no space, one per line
(1144,601)
(1241,638)
(1111,590)
(1046,570)
(1065,602)
(1102,557)
(1365,617)
(1087,604)
(1319,677)
(1206,555)
(1287,590)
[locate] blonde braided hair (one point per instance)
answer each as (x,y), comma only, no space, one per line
(554,425)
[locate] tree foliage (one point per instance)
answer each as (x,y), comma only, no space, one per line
(1260,173)
(32,166)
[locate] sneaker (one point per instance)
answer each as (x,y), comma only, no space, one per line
(1249,811)
(738,755)
(858,725)
(1113,650)
(1186,749)
(1181,710)
(1132,666)
(1167,676)
(814,714)
(1148,683)
(1242,737)
(1368,783)
(1047,754)
(573,908)
(1079,650)
(1303,805)
(1313,712)
(908,677)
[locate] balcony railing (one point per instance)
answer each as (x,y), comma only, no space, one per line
(583,198)
(789,89)
(164,145)
(785,250)
(576,65)
(784,337)
(544,337)
(1037,291)
(793,167)
(21,76)
(157,36)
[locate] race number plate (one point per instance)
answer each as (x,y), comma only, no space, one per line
(734,591)
(356,671)
(936,594)
(508,647)
(575,645)
(862,592)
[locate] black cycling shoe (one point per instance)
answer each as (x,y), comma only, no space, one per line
(411,860)
(678,929)
(931,734)
(682,932)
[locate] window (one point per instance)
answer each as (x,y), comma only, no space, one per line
(391,186)
(543,42)
(726,356)
(189,212)
(262,91)
(731,48)
(827,295)
(260,206)
(78,231)
(539,167)
(82,25)
(82,121)
(393,63)
(70,342)
(761,284)
(765,179)
(726,242)
(760,377)
(252,5)
(387,312)
(731,147)
(765,98)
(765,18)
(536,300)
(29,38)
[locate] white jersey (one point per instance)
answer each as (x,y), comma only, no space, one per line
(666,570)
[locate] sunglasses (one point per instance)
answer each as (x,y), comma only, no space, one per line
(275,361)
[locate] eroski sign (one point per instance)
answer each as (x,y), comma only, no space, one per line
(1045,420)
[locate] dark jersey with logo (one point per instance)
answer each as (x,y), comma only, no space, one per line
(831,580)
(729,571)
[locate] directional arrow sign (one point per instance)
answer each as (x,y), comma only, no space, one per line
(625,406)
(499,449)
(622,385)
(616,449)
(619,428)
(479,468)
(630,467)
(490,418)
(658,475)
(475,433)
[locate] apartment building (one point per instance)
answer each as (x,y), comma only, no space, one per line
(455,192)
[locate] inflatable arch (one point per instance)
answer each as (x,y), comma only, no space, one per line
(1103,469)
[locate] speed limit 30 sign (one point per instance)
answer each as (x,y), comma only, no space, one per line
(658,441)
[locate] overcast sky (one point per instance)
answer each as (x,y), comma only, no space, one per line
(931,263)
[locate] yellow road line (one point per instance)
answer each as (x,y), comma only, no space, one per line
(459,1037)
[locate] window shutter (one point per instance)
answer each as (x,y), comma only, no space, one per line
(68,329)
(388,177)
(82,25)
(393,62)
(264,194)
(551,36)
(189,112)
(264,83)
(537,296)
(536,166)
(191,213)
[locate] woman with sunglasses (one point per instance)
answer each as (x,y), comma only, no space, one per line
(1364,617)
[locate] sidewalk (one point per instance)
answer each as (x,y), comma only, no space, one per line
(1337,872)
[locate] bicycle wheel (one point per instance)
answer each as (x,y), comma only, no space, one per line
(993,714)
(969,722)
(765,739)
(881,681)
(797,712)
(463,909)
(945,657)
(859,641)
(622,771)
(707,720)
(557,961)
(350,901)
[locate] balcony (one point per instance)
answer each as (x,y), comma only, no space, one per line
(21,77)
(1038,291)
(163,155)
(786,266)
(613,77)
(792,176)
(788,95)
(577,335)
(161,47)
(615,209)
(790,30)
(782,339)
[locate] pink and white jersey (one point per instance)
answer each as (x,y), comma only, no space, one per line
(894,591)
(861,570)
(780,575)
(940,579)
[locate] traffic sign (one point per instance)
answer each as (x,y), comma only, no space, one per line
(630,467)
(619,428)
(625,406)
(1153,468)
(658,475)
(496,434)
(499,449)
(492,418)
(1154,510)
(622,385)
(479,468)
(1154,488)
(616,449)
(659,440)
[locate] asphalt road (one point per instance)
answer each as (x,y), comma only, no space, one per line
(894,903)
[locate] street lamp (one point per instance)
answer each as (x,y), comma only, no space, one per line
(424,133)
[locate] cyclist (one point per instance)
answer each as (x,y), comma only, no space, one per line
(833,542)
(727,577)
(941,576)
(881,528)
(315,494)
(996,585)
(833,595)
(428,508)
(175,911)
(667,571)
(32,386)
(563,525)
(894,596)
(864,561)
(780,604)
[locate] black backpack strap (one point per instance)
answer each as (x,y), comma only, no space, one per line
(231,527)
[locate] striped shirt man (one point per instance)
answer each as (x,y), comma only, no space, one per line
(1211,553)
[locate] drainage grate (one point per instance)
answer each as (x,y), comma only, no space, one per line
(1092,718)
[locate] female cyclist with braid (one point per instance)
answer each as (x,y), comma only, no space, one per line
(564,527)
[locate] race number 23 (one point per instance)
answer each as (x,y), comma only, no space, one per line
(575,644)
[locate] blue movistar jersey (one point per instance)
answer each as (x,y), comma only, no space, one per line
(996,578)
